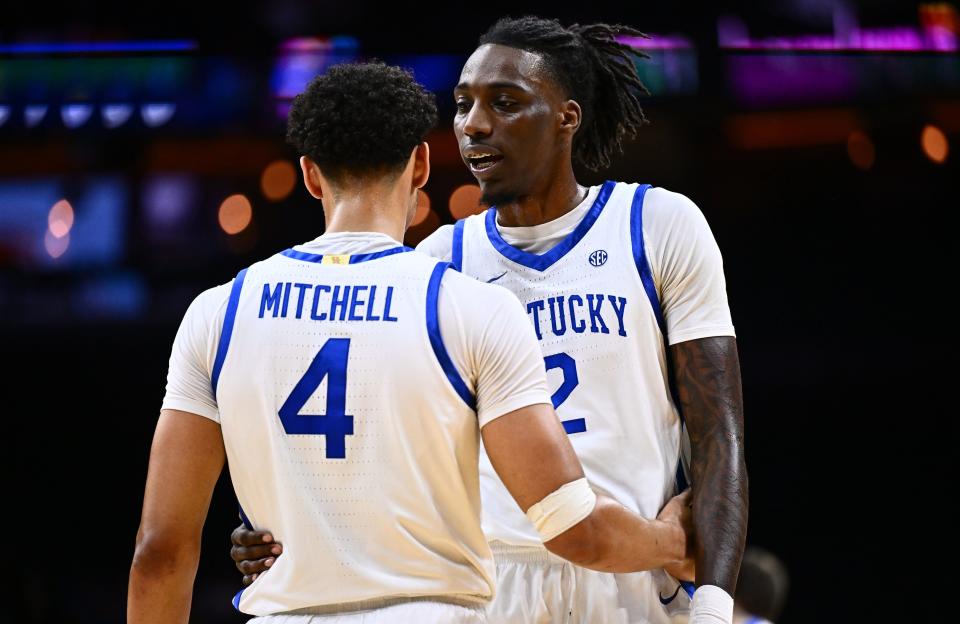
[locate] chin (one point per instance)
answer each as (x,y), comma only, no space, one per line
(493,196)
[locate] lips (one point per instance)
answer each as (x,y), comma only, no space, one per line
(481,159)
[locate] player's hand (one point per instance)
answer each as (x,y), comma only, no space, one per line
(253,552)
(679,511)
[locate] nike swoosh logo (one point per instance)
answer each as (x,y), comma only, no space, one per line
(492,280)
(666,601)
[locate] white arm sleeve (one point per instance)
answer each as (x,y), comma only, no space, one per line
(491,342)
(439,244)
(687,267)
(194,351)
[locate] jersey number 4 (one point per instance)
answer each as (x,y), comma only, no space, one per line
(568,366)
(335,424)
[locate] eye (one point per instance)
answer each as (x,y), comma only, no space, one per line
(504,103)
(462,106)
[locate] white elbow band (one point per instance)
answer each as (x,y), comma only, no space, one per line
(711,605)
(560,510)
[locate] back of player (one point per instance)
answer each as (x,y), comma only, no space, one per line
(353,445)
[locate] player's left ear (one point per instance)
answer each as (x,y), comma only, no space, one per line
(570,115)
(421,165)
(311,177)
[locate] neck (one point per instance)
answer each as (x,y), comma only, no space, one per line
(371,209)
(558,196)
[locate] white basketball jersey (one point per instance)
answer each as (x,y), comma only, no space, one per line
(345,435)
(594,307)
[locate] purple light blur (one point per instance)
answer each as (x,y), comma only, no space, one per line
(303,58)
(658,42)
(167,200)
(732,35)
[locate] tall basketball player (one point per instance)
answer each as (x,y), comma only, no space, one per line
(348,382)
(624,286)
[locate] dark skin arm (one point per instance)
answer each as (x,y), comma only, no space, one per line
(707,377)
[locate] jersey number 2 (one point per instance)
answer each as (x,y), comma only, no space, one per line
(568,366)
(335,424)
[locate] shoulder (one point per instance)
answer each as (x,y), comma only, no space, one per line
(209,305)
(672,216)
(476,299)
(439,243)
(662,204)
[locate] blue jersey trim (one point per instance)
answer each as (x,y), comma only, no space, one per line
(354,258)
(456,254)
(646,277)
(236,600)
(436,340)
(228,319)
(244,518)
(688,587)
(640,255)
(541,262)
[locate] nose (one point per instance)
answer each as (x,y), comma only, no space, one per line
(476,122)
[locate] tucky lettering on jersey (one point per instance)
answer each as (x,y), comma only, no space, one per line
(591,312)
(323,302)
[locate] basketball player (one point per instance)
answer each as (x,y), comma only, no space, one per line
(618,280)
(347,381)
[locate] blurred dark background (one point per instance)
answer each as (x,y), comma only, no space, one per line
(819,137)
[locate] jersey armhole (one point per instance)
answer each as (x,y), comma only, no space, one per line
(456,254)
(224,344)
(436,339)
(640,256)
(650,287)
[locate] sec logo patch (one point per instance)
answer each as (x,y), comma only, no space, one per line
(598,258)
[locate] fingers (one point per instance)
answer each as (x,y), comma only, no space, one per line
(242,553)
(242,536)
(249,578)
(253,567)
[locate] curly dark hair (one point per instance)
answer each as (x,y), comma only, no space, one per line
(360,119)
(594,69)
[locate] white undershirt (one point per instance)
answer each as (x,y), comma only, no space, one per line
(538,239)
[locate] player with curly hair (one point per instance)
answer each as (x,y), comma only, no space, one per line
(348,382)
(624,286)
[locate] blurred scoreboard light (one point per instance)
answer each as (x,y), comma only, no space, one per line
(169,202)
(852,63)
(302,58)
(119,295)
(438,73)
(95,239)
(671,69)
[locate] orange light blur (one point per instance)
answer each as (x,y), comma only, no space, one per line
(423,208)
(235,214)
(861,151)
(935,144)
(789,129)
(277,180)
(465,201)
(55,245)
(60,219)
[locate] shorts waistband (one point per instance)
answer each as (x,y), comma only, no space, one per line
(469,602)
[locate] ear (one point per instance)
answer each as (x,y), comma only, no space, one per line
(421,165)
(311,177)
(570,116)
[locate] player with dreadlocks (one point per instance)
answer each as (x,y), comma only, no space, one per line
(624,286)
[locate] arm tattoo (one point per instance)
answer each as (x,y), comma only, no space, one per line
(707,377)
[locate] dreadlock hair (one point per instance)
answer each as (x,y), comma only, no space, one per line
(361,119)
(594,69)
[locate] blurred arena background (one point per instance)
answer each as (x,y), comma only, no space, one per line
(142,160)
